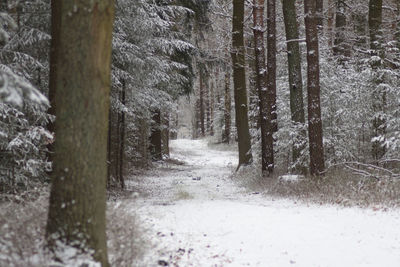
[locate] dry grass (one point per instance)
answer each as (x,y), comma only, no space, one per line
(336,187)
(22,233)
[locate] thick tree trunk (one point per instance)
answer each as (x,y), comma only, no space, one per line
(379,93)
(271,64)
(155,137)
(239,81)
(295,79)
(78,191)
(227,108)
(266,116)
(317,164)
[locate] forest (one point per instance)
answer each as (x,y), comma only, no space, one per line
(127,128)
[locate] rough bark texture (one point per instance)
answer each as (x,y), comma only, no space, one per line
(266,124)
(317,164)
(155,136)
(379,93)
(227,108)
(295,77)
(78,192)
(271,64)
(239,82)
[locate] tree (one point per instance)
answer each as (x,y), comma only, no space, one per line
(227,107)
(295,77)
(340,48)
(239,82)
(263,89)
(379,93)
(271,64)
(78,192)
(317,164)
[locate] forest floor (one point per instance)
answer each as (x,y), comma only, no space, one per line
(196,214)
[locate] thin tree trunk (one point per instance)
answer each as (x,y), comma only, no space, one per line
(165,135)
(227,108)
(271,64)
(295,79)
(212,107)
(122,138)
(379,93)
(319,13)
(266,116)
(109,147)
(239,81)
(155,137)
(317,164)
(330,20)
(78,191)
(201,107)
(340,47)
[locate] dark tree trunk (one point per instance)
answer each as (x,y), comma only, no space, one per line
(227,108)
(317,164)
(295,79)
(341,48)
(319,13)
(82,85)
(379,93)
(266,116)
(122,138)
(208,106)
(201,107)
(165,135)
(239,81)
(109,148)
(155,137)
(212,108)
(271,64)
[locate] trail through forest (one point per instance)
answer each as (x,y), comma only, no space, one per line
(197,215)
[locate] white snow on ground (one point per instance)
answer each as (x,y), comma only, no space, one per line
(197,216)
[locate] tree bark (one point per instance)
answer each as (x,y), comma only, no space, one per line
(155,137)
(165,135)
(227,108)
(378,94)
(239,81)
(78,192)
(122,138)
(340,47)
(202,126)
(265,104)
(271,64)
(295,79)
(317,164)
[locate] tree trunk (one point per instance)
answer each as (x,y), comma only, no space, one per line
(78,191)
(227,108)
(239,81)
(340,47)
(265,106)
(379,93)
(201,107)
(319,13)
(109,147)
(155,137)
(122,138)
(212,108)
(317,164)
(165,135)
(295,79)
(271,64)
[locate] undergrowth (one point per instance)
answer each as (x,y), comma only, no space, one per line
(338,186)
(22,234)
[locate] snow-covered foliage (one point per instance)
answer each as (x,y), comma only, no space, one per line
(23,83)
(151,62)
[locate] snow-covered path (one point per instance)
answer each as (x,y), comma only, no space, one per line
(197,216)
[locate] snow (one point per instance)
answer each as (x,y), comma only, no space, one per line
(198,216)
